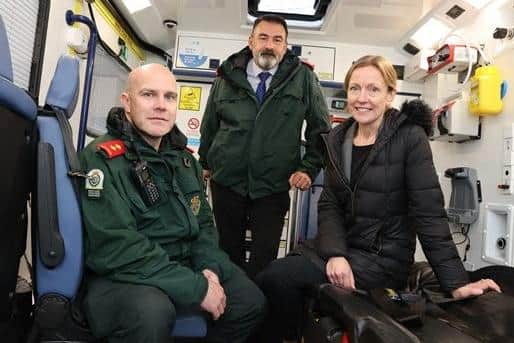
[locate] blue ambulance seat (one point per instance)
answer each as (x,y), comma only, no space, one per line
(59,281)
(189,323)
(57,223)
(17,143)
(64,277)
(307,210)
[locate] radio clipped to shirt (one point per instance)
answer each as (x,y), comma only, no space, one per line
(144,182)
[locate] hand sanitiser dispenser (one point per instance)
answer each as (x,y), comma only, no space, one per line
(485,95)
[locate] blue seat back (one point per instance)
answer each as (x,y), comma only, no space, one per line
(315,193)
(189,323)
(63,279)
(307,210)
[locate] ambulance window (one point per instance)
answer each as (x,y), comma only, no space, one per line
(25,23)
(298,13)
(303,7)
(109,78)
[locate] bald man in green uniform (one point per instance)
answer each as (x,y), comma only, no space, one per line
(151,244)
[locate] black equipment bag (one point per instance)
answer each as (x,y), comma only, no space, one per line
(487,318)
(319,328)
(18,141)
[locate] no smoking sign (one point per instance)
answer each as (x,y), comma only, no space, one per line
(193,123)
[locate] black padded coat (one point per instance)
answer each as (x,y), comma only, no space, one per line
(396,196)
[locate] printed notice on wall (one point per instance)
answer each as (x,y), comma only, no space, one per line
(189,98)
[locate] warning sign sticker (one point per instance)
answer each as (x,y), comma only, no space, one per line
(193,123)
(189,98)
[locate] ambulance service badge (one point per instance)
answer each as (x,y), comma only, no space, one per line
(94,183)
(195,205)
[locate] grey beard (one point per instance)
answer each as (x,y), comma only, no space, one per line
(266,62)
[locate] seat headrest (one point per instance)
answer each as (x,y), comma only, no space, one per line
(64,88)
(5,54)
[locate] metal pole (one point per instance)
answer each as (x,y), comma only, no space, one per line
(91,48)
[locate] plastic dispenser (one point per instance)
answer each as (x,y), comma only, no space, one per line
(485,96)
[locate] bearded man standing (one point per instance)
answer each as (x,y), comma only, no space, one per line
(250,141)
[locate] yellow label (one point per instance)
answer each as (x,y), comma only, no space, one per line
(77,9)
(120,30)
(190,98)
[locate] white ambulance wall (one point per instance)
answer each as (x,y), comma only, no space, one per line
(345,53)
(54,48)
(486,154)
(192,99)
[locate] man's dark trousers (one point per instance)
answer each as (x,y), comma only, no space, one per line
(127,313)
(234,214)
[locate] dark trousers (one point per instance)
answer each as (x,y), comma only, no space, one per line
(264,217)
(125,312)
(13,230)
(287,283)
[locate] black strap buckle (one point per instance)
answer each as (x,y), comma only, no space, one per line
(77,173)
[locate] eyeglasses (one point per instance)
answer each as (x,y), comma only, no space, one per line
(371,90)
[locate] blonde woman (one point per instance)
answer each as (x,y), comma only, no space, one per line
(381,190)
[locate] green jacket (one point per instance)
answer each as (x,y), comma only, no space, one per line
(167,244)
(254,149)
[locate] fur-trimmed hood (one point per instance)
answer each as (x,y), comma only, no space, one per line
(418,113)
(118,125)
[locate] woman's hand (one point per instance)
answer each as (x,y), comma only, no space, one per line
(475,288)
(340,273)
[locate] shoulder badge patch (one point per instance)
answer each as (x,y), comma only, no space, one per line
(94,183)
(112,148)
(195,204)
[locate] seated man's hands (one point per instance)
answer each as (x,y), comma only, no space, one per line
(339,272)
(300,180)
(215,299)
(475,288)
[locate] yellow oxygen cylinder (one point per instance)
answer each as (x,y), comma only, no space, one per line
(485,95)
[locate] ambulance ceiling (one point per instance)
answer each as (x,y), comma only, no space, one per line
(371,22)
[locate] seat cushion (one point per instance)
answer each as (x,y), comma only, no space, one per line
(65,278)
(189,323)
